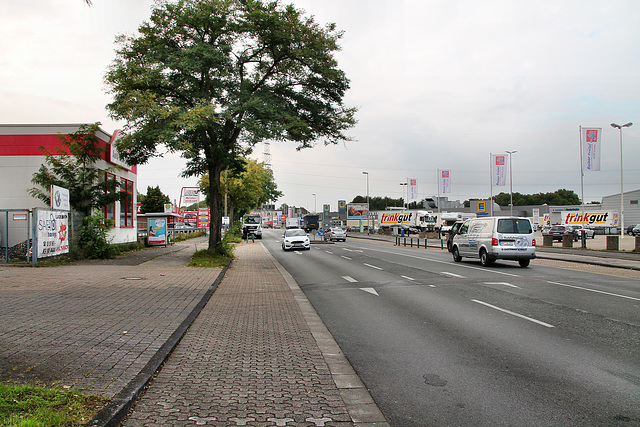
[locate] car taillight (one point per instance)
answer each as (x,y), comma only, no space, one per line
(533,242)
(494,242)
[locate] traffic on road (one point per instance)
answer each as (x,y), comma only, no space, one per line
(443,343)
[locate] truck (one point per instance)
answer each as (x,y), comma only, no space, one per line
(292,222)
(252,225)
(420,220)
(311,222)
(447,219)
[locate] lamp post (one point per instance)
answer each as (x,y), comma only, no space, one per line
(403,200)
(315,203)
(619,127)
(511,178)
(368,207)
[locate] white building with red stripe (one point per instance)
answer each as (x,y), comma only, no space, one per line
(21,157)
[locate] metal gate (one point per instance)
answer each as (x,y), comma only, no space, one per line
(15,236)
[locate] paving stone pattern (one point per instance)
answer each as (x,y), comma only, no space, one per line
(248,359)
(93,326)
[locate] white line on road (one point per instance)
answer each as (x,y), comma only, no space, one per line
(349,279)
(503,284)
(345,257)
(372,266)
(329,252)
(514,314)
(458,265)
(594,290)
(348,250)
(407,277)
(452,274)
(370,290)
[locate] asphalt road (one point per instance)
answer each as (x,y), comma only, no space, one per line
(444,343)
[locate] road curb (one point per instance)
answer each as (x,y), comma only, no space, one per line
(114,412)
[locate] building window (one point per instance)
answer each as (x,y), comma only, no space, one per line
(633,202)
(126,204)
(110,209)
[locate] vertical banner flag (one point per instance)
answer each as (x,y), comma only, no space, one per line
(591,148)
(445,182)
(499,170)
(413,189)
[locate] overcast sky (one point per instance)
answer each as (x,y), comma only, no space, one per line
(438,84)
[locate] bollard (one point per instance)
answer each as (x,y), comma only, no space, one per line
(425,243)
(441,244)
(253,239)
(411,241)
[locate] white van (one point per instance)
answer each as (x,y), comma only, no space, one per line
(495,238)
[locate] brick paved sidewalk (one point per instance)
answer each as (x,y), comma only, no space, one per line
(94,326)
(253,357)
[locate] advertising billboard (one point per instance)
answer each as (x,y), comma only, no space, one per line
(357,210)
(157,231)
(52,233)
(594,219)
(391,218)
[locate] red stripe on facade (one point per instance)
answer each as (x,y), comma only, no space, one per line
(29,145)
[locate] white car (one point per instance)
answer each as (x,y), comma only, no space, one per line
(589,232)
(335,233)
(295,238)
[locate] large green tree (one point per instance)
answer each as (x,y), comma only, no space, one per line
(154,200)
(211,78)
(73,166)
(247,189)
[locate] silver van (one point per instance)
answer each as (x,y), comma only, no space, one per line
(495,238)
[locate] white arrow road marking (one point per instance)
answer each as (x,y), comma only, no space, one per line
(452,274)
(514,314)
(503,284)
(349,279)
(372,266)
(370,290)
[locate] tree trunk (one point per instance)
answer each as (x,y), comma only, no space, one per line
(215,198)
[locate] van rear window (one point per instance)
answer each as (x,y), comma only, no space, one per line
(514,225)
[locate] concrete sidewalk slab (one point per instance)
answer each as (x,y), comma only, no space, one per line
(94,326)
(254,357)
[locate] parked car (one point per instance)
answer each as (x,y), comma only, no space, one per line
(630,228)
(636,230)
(335,233)
(295,238)
(589,232)
(545,231)
(559,231)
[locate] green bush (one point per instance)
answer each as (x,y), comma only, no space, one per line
(94,242)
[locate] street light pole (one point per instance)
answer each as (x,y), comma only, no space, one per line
(619,127)
(368,206)
(511,178)
(315,203)
(403,200)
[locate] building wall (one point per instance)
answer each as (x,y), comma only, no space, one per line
(21,157)
(631,206)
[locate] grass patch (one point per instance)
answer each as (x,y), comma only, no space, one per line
(204,258)
(34,406)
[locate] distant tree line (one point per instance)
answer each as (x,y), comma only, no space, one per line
(559,197)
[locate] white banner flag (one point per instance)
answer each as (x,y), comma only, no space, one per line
(499,169)
(413,189)
(590,138)
(445,182)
